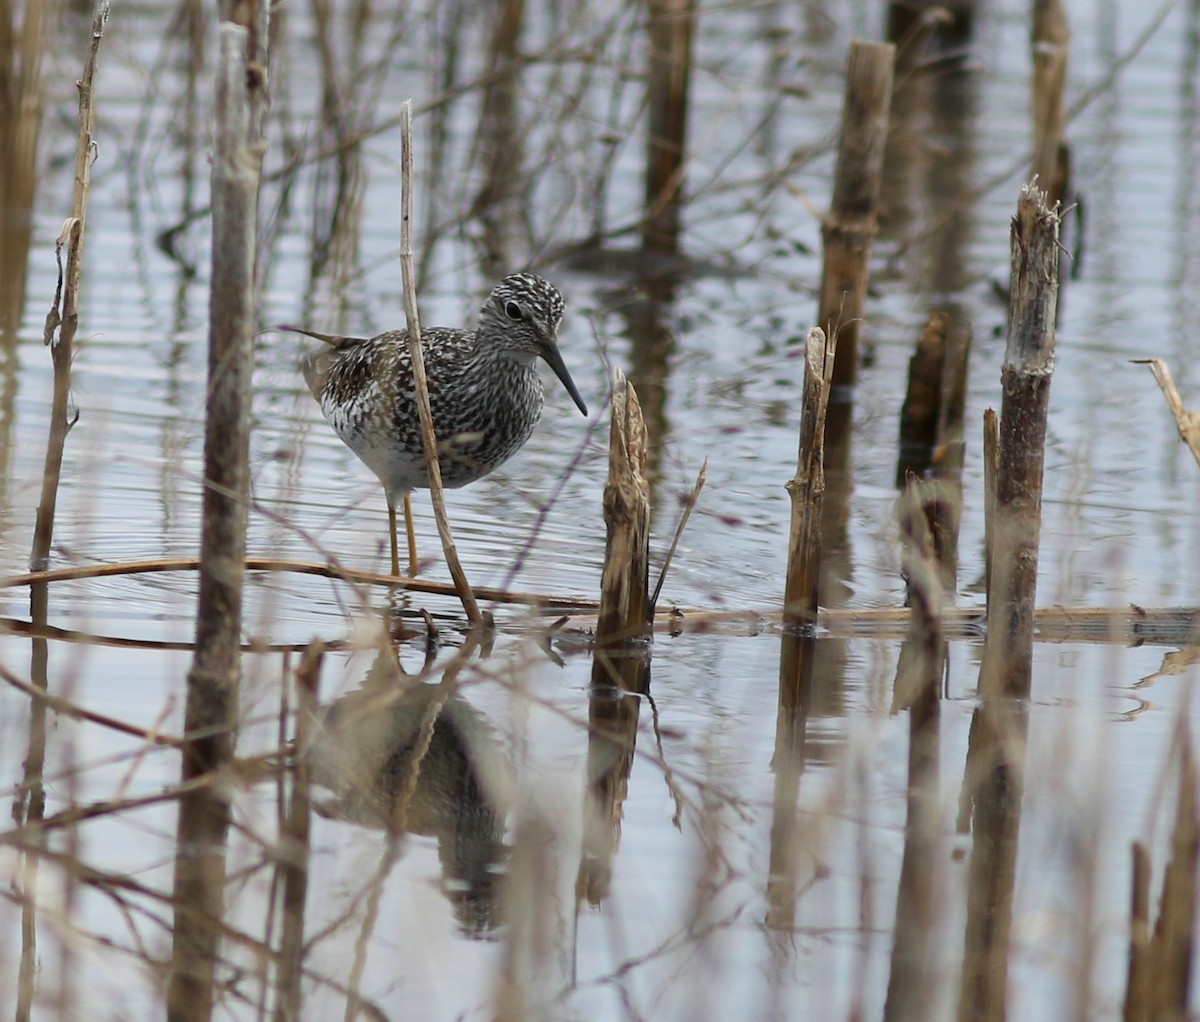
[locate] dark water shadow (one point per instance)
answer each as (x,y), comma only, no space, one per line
(406,756)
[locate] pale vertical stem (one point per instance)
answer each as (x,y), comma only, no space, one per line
(428,435)
(213,681)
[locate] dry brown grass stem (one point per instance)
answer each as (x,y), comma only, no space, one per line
(1187,422)
(282,564)
(63,317)
(1172,626)
(421,383)
(688,506)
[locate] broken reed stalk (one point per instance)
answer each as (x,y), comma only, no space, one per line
(421,382)
(63,316)
(922,406)
(294,860)
(912,983)
(626,612)
(214,678)
(852,221)
(1187,422)
(671,26)
(1025,378)
(1049,41)
(688,507)
(625,608)
(807,486)
(797,651)
(994,777)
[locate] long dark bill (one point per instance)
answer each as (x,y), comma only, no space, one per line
(555,361)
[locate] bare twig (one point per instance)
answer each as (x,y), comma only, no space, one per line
(428,435)
(688,507)
(63,316)
(1187,422)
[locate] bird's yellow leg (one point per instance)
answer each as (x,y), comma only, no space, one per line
(392,533)
(413,567)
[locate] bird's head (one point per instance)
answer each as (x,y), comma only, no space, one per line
(522,315)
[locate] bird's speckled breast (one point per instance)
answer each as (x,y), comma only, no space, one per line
(485,406)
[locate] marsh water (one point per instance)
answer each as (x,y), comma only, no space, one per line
(490,889)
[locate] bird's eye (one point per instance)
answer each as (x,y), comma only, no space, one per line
(513,310)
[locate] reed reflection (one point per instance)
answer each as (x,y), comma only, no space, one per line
(620,678)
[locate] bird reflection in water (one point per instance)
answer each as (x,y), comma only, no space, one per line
(368,751)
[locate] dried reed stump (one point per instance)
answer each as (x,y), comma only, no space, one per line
(807,487)
(625,607)
(798,650)
(1025,379)
(212,684)
(621,666)
(994,782)
(852,221)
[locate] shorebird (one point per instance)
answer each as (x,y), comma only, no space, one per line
(484,392)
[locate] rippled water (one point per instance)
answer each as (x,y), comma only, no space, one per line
(719,373)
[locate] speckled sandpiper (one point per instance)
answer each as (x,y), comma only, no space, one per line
(484,392)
